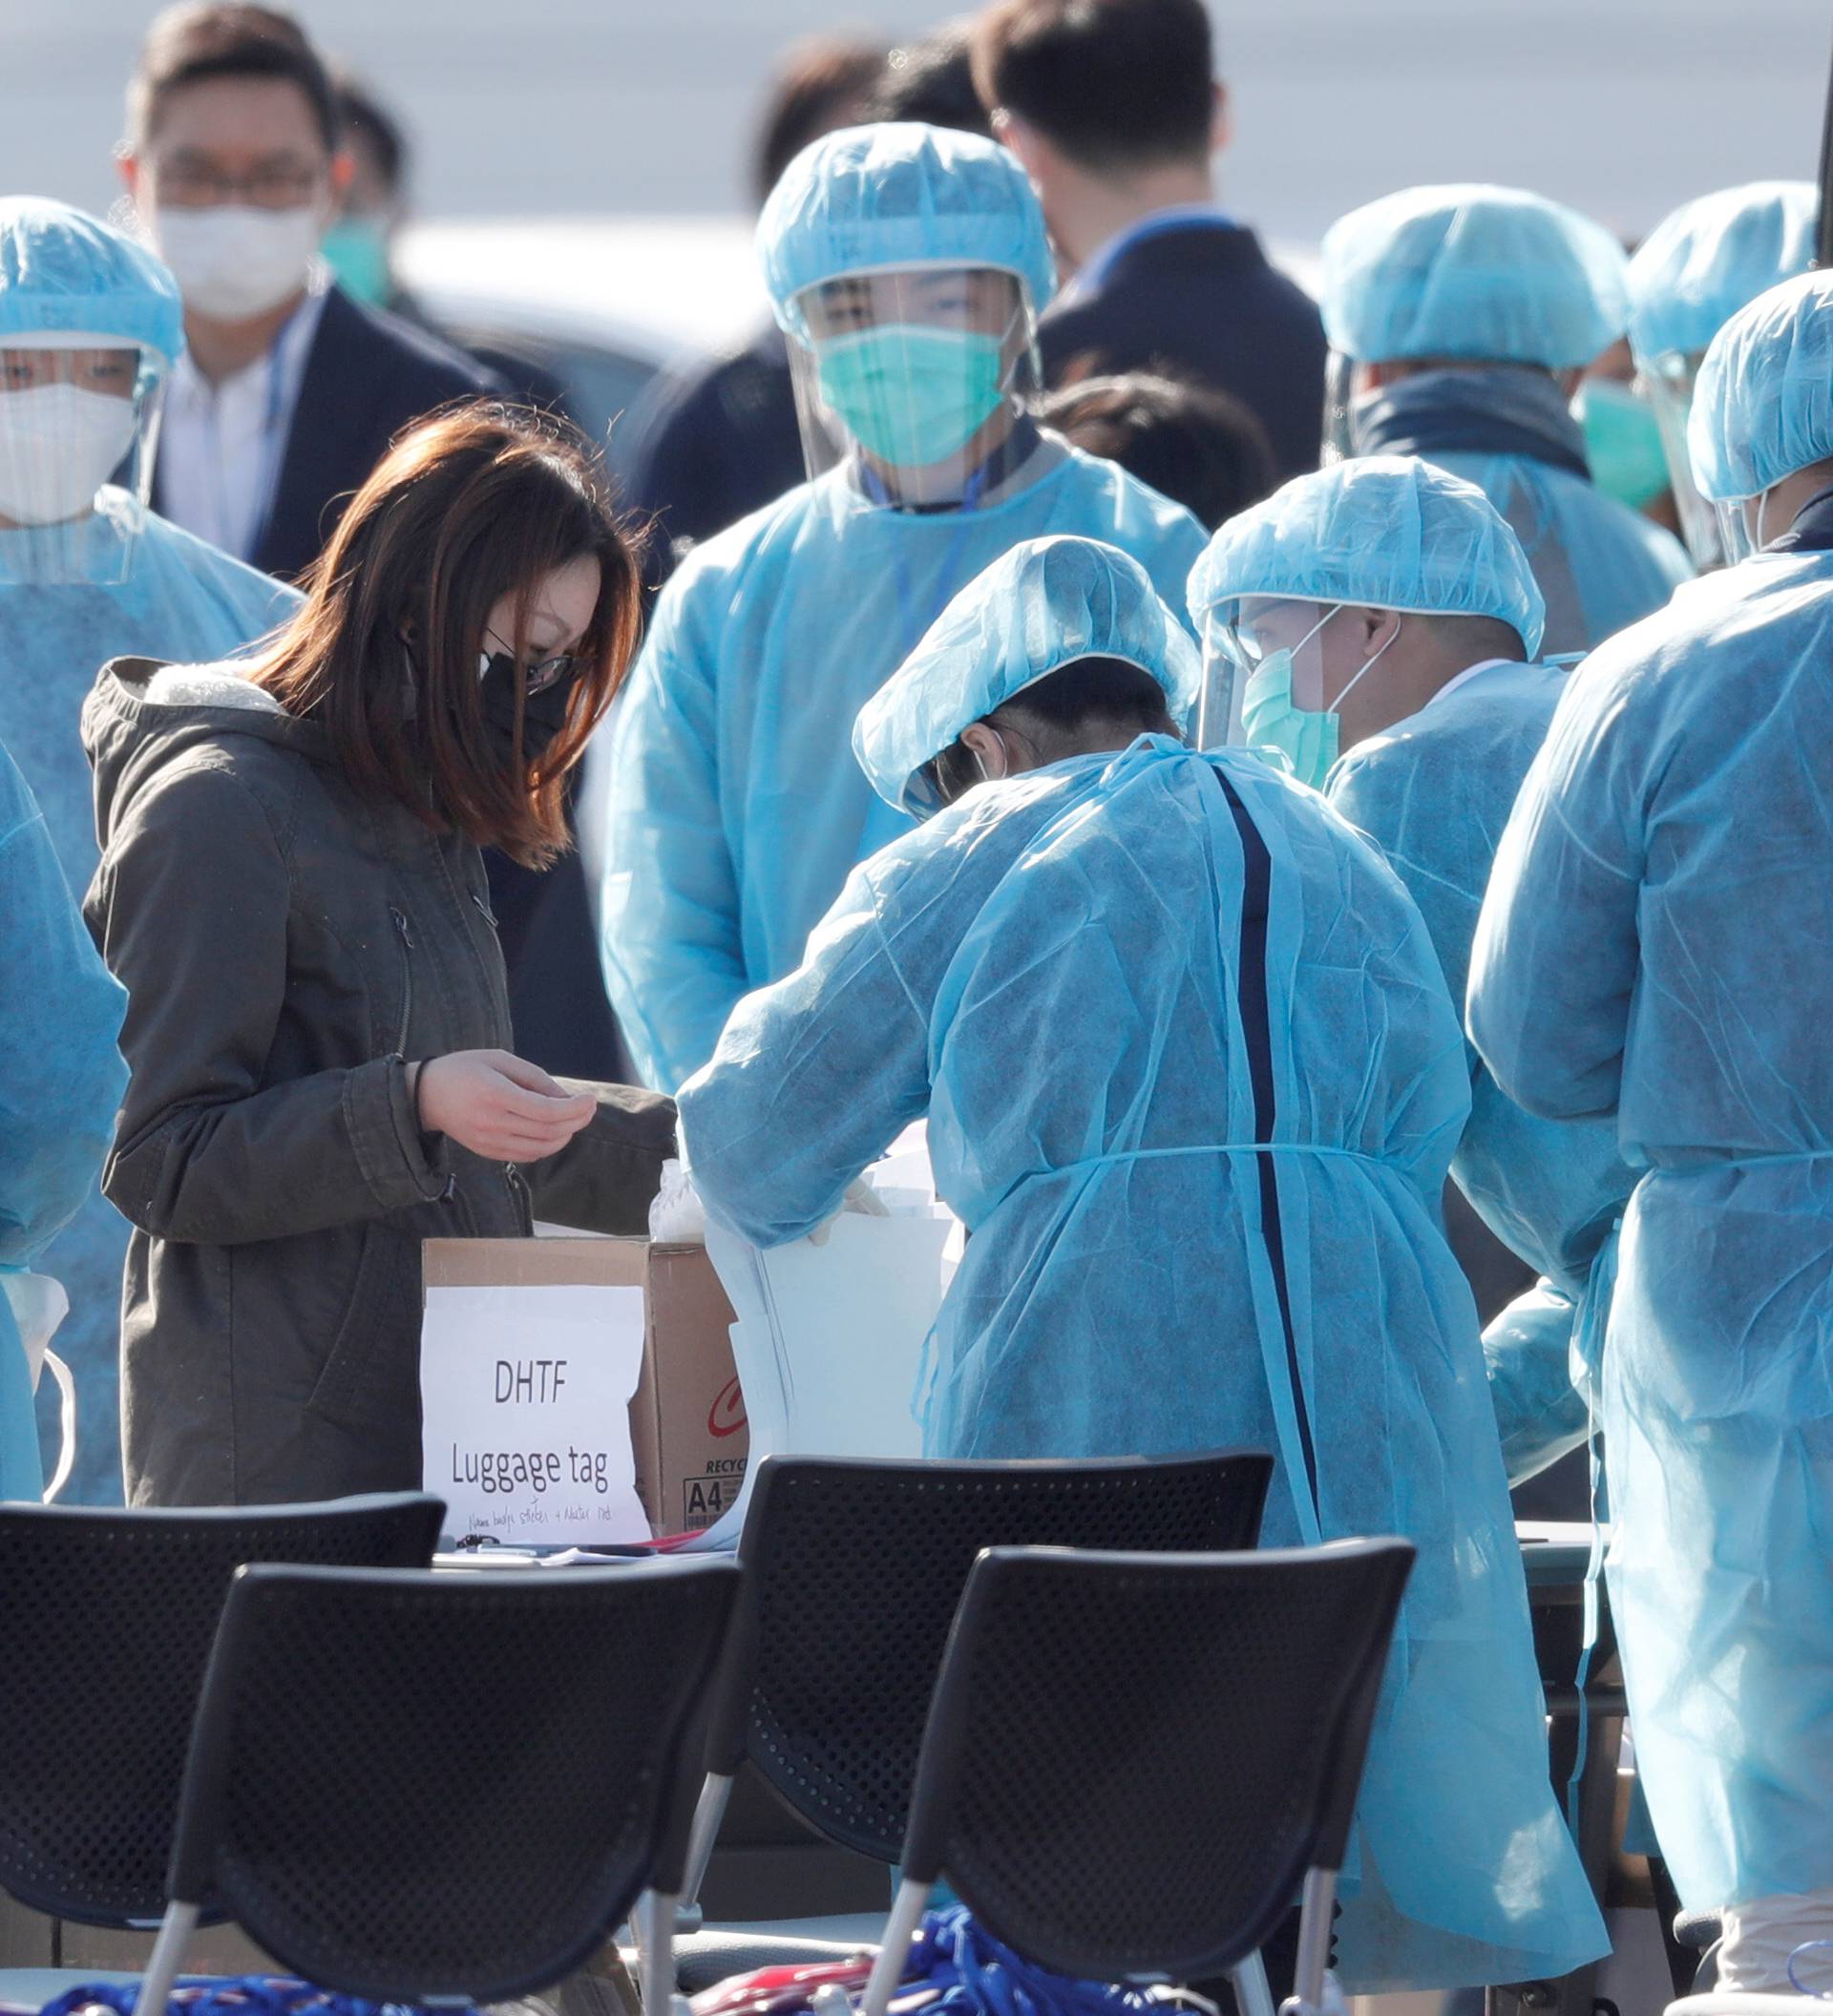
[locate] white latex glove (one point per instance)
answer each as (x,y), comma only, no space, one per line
(861,1199)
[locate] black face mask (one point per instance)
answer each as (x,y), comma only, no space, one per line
(543,713)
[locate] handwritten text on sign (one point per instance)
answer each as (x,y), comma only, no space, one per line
(526,1398)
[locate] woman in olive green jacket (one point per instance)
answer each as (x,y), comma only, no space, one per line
(322,1070)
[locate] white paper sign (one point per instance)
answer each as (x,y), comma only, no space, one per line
(525,1394)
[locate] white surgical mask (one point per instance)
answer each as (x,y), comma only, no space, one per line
(234,261)
(58,446)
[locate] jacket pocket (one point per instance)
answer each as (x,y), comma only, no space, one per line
(371,1376)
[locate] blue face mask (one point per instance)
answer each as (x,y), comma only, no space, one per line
(909,394)
(1306,739)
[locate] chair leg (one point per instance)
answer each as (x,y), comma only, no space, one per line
(162,1969)
(907,1910)
(1253,1993)
(710,1809)
(1314,1944)
(656,1953)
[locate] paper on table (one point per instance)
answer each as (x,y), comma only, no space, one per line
(525,1393)
(830,1340)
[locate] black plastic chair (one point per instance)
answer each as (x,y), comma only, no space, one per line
(1132,1762)
(107,1618)
(853,1573)
(412,1787)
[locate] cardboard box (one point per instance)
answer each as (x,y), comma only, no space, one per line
(687,1421)
(687,1428)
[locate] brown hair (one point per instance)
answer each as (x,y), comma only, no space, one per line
(477,503)
(225,38)
(821,83)
(1112,83)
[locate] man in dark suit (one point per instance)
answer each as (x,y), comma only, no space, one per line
(290,390)
(1113,109)
(710,443)
(721,439)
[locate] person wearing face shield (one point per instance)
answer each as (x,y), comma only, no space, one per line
(1693,272)
(319,1032)
(290,390)
(1460,318)
(1652,951)
(1192,1080)
(90,328)
(62,1079)
(906,264)
(1373,629)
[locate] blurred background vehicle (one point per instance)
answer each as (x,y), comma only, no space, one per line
(599,304)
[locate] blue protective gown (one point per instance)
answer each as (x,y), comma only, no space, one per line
(1193,1081)
(186,601)
(1434,792)
(1653,948)
(1600,565)
(736,811)
(61,1080)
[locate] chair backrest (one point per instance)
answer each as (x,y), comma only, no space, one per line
(1132,1760)
(855,1570)
(412,1785)
(107,1618)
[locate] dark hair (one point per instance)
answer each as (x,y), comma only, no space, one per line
(820,84)
(1111,82)
(474,504)
(1482,637)
(931,81)
(202,39)
(1084,694)
(1194,443)
(362,114)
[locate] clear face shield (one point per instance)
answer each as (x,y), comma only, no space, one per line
(1742,530)
(1667,383)
(919,372)
(1264,676)
(1339,393)
(79,426)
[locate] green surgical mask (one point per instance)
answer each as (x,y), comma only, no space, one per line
(356,249)
(1622,442)
(1307,740)
(909,394)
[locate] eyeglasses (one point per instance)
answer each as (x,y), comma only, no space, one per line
(1241,640)
(1240,646)
(193,185)
(538,678)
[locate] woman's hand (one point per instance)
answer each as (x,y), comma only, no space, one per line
(497,1106)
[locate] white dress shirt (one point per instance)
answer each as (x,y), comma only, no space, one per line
(1468,673)
(221,446)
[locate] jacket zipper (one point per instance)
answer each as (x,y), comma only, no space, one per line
(405,933)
